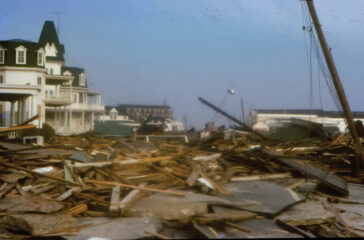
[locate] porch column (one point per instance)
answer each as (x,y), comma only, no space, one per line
(56,117)
(83,119)
(24,110)
(19,112)
(92,120)
(12,113)
(34,109)
(70,118)
(65,118)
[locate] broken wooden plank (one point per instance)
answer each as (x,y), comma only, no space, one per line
(114,200)
(232,216)
(9,129)
(134,187)
(76,210)
(67,194)
(261,177)
(128,199)
(192,178)
(334,182)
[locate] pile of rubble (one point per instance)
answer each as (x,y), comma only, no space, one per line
(230,184)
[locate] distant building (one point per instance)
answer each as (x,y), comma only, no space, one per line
(128,114)
(269,119)
(135,112)
(34,79)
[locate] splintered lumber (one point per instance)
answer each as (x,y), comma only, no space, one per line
(76,210)
(134,187)
(9,165)
(17,128)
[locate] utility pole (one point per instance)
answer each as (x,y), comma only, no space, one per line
(339,88)
(242,109)
(246,127)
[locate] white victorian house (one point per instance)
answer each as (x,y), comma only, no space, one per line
(34,79)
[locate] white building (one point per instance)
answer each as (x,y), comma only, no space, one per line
(277,118)
(35,80)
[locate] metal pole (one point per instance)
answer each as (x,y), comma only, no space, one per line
(338,86)
(246,127)
(242,109)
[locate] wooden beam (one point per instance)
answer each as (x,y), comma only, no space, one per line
(134,187)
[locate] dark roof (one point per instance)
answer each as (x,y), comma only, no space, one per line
(317,112)
(10,53)
(143,106)
(75,72)
(49,35)
(108,108)
(57,58)
(18,40)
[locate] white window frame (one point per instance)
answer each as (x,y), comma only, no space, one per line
(18,50)
(40,60)
(2,55)
(82,79)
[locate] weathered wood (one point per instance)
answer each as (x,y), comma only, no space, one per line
(158,235)
(213,183)
(76,210)
(9,165)
(232,216)
(128,199)
(261,177)
(192,178)
(17,128)
(134,187)
(233,225)
(114,200)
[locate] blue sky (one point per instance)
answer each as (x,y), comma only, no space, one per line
(146,50)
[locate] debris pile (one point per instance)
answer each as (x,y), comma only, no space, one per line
(230,184)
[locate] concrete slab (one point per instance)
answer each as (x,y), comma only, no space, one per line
(265,198)
(258,228)
(356,193)
(117,228)
(307,213)
(171,207)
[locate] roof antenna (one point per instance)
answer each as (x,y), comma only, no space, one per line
(58,22)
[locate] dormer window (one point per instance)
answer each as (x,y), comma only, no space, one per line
(82,79)
(41,57)
(21,55)
(2,55)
